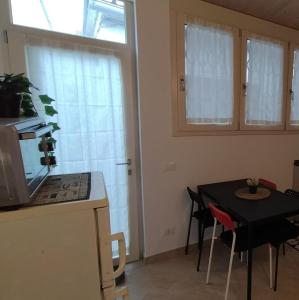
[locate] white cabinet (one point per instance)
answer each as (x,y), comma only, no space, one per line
(50,257)
(58,252)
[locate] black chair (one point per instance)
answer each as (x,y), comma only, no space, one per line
(235,238)
(275,233)
(294,195)
(279,232)
(204,218)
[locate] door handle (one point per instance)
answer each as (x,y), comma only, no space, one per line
(129,161)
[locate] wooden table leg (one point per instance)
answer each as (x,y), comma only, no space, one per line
(249,266)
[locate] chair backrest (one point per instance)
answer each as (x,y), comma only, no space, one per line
(291,193)
(269,184)
(222,217)
(197,198)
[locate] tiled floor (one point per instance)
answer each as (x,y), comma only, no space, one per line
(175,277)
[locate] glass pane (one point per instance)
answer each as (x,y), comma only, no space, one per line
(264,83)
(89,91)
(99,19)
(294,119)
(31,158)
(209,74)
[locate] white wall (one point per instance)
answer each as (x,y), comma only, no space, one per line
(198,159)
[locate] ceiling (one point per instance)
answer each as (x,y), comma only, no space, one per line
(283,12)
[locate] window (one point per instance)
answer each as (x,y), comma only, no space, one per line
(207,86)
(231,80)
(294,89)
(209,74)
(99,19)
(263,87)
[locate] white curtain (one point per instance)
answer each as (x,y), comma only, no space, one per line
(295,87)
(209,72)
(264,93)
(88,88)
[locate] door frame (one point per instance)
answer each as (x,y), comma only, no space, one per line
(126,52)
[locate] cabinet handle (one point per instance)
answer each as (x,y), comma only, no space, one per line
(120,238)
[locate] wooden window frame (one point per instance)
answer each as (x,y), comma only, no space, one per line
(243,23)
(289,126)
(243,126)
(182,125)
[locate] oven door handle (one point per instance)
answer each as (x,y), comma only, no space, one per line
(28,135)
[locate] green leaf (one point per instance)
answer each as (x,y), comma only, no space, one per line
(29,113)
(50,111)
(27,106)
(16,84)
(27,97)
(51,140)
(45,99)
(55,126)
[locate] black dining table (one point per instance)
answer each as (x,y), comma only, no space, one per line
(250,212)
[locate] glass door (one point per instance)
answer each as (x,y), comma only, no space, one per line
(92,84)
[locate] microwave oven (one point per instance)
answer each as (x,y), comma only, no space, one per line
(24,163)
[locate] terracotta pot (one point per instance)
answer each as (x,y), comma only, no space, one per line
(10,105)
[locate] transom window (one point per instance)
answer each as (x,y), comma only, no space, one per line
(98,19)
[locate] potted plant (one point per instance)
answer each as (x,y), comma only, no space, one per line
(252,185)
(16,98)
(16,101)
(13,89)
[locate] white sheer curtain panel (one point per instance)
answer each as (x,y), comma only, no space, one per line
(294,119)
(87,85)
(209,73)
(264,87)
